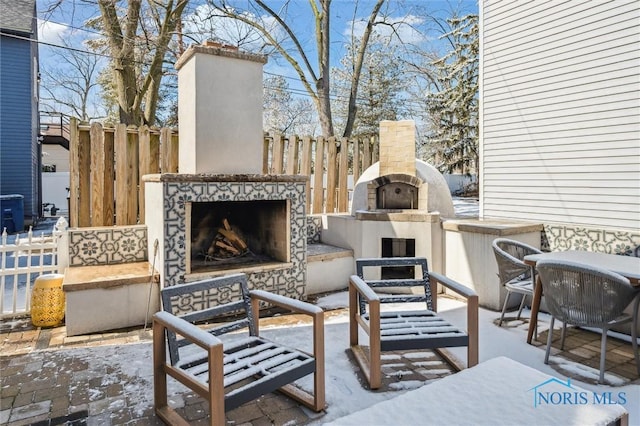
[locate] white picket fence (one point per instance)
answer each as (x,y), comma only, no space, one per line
(22,260)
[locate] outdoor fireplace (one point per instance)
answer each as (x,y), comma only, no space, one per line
(219,215)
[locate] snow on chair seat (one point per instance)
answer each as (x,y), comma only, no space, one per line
(390,330)
(229,372)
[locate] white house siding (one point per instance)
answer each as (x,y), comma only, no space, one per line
(560,112)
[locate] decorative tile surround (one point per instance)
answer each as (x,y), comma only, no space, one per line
(565,237)
(107,245)
(180,189)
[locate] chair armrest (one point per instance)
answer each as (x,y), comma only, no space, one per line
(297,306)
(187,330)
(361,287)
(293,305)
(211,388)
(455,286)
(472,311)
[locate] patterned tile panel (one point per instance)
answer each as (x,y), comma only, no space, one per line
(107,245)
(314,229)
(557,237)
(289,281)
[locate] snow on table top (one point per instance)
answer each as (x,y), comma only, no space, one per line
(500,391)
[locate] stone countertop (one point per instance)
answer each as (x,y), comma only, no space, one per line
(79,278)
(317,252)
(210,177)
(498,227)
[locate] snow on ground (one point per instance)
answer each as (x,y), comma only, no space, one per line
(344,392)
(465,207)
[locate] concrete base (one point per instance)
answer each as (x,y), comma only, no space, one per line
(469,257)
(109,297)
(363,233)
(328,268)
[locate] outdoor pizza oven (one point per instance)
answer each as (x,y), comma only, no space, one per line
(397,203)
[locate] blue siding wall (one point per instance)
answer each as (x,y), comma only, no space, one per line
(18,144)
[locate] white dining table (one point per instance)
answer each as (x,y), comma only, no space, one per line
(627,266)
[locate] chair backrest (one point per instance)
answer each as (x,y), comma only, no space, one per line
(583,295)
(509,255)
(209,300)
(390,262)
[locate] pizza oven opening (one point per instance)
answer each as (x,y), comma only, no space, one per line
(394,192)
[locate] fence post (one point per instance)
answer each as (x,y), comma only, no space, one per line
(126,153)
(97,179)
(355,163)
(374,152)
(74,141)
(318,175)
(109,177)
(277,159)
(366,160)
(84,177)
(343,174)
(169,148)
(61,238)
(266,141)
(305,168)
(332,164)
(144,151)
(292,155)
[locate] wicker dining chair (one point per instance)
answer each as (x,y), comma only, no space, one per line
(588,296)
(515,275)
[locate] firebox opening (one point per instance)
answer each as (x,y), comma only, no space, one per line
(233,234)
(398,247)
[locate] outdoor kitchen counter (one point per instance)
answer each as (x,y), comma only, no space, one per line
(469,258)
(495,227)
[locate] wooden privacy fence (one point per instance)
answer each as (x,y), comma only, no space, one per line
(338,159)
(107,164)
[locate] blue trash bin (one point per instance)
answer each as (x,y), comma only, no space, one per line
(12,212)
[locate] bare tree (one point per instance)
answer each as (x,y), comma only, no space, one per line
(69,82)
(137,77)
(275,26)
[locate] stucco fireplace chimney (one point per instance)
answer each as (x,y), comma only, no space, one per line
(220,214)
(220,110)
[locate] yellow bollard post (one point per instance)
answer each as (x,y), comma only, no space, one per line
(47,301)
